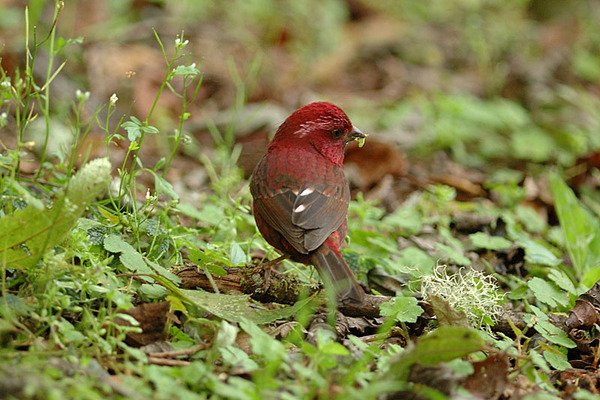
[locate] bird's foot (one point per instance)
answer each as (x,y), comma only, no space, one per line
(267,267)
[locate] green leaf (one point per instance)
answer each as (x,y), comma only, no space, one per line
(536,253)
(153,291)
(189,211)
(444,344)
(236,357)
(186,70)
(150,129)
(209,259)
(237,255)
(532,144)
(484,241)
(547,292)
(530,219)
(562,280)
(334,348)
(554,334)
(130,258)
(452,254)
(402,309)
(406,218)
(591,277)
(581,229)
(209,214)
(538,360)
(415,257)
(134,261)
(237,308)
(133,127)
(6,326)
(557,360)
(263,344)
(164,187)
(28,233)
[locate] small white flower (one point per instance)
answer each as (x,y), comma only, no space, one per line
(82,96)
(113,99)
(5,83)
(148,196)
(179,43)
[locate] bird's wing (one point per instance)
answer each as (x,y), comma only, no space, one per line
(306,216)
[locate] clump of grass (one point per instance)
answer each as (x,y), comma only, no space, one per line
(468,291)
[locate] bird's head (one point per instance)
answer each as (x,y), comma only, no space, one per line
(321,125)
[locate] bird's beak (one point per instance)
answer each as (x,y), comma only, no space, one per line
(357,135)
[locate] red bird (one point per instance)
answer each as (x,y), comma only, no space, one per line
(301,194)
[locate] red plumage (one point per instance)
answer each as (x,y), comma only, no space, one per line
(301,194)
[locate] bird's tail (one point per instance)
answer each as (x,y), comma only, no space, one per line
(336,273)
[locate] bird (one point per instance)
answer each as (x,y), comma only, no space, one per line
(301,195)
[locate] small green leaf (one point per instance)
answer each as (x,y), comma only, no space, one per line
(153,291)
(150,129)
(238,358)
(539,360)
(591,277)
(164,187)
(554,334)
(402,309)
(484,241)
(263,344)
(406,218)
(133,128)
(562,280)
(530,219)
(237,255)
(334,348)
(532,144)
(415,257)
(451,254)
(186,70)
(557,360)
(536,253)
(130,258)
(547,292)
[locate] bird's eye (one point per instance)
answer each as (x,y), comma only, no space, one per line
(337,133)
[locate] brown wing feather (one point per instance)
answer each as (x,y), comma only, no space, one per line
(277,212)
(323,212)
(304,219)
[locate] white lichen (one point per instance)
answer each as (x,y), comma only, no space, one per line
(469,291)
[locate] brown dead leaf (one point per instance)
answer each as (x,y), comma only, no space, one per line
(490,378)
(445,314)
(586,312)
(152,318)
(367,166)
(582,171)
(573,380)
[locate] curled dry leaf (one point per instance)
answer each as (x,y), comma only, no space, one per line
(367,166)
